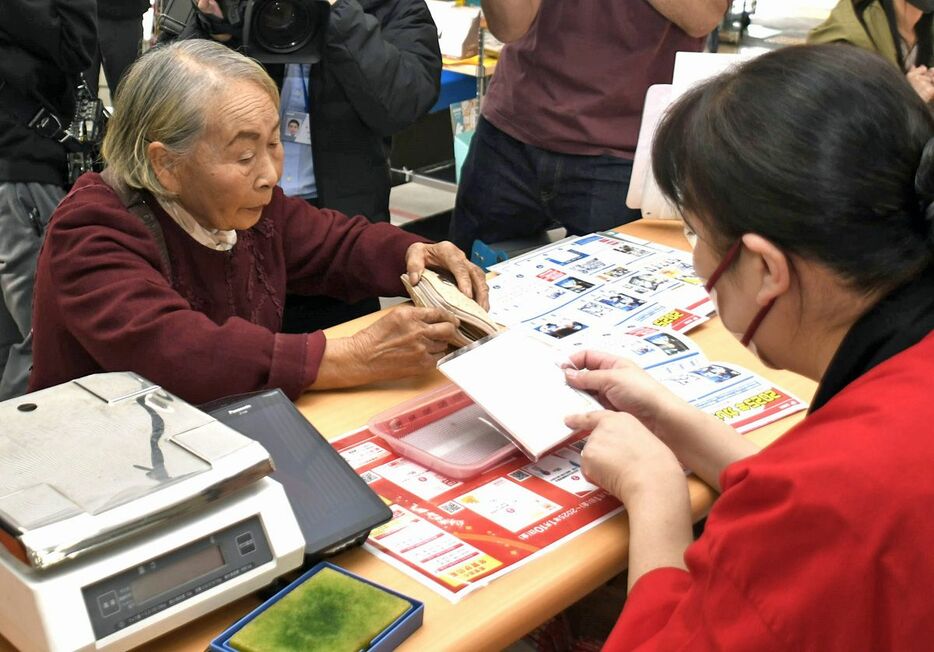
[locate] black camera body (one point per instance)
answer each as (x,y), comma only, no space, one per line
(285,31)
(86,133)
(231,10)
(273,31)
(175,15)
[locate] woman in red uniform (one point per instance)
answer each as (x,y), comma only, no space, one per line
(807,176)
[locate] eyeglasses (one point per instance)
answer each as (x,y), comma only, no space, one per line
(724,265)
(689,235)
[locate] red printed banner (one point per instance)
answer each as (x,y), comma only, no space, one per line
(457,536)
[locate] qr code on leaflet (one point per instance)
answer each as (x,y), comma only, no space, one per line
(450,507)
(369,477)
(519,475)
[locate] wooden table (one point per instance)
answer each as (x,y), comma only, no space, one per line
(498,614)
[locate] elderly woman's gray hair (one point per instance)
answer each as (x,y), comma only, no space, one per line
(166,97)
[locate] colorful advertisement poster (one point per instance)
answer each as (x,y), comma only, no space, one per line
(597,281)
(458,536)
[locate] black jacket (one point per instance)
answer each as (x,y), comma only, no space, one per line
(120,9)
(380,71)
(44,45)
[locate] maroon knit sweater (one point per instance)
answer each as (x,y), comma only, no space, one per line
(103,303)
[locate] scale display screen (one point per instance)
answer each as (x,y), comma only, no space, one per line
(159,583)
(194,566)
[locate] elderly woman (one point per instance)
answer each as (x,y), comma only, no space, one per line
(814,232)
(902,31)
(186,286)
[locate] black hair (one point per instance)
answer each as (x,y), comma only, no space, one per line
(814,147)
(297,123)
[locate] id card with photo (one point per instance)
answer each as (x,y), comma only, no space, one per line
(296,128)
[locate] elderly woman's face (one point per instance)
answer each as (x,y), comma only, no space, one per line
(237,163)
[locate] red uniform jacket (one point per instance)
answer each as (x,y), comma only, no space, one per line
(102,301)
(823,541)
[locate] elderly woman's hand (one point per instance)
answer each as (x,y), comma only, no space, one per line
(406,342)
(445,256)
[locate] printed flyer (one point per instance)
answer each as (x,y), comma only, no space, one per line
(733,394)
(457,536)
(596,281)
(636,299)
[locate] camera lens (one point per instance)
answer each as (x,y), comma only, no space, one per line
(283,26)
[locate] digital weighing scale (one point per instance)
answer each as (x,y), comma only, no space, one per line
(125,512)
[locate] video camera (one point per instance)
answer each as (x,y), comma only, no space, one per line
(85,134)
(273,31)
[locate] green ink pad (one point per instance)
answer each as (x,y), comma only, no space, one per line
(328,612)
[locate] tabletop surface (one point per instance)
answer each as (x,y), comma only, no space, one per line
(498,614)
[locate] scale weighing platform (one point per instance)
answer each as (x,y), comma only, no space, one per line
(125,512)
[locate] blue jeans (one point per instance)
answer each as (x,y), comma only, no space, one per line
(511,190)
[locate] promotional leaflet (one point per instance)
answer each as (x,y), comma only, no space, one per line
(733,394)
(596,281)
(458,536)
(633,298)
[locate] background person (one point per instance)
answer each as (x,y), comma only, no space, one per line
(120,33)
(561,119)
(44,45)
(194,304)
(821,540)
(902,31)
(380,71)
